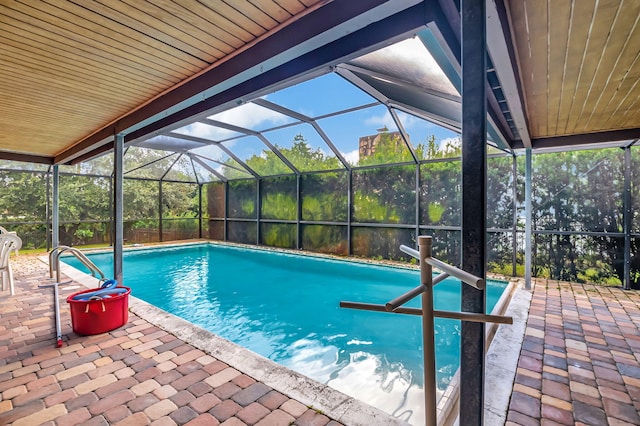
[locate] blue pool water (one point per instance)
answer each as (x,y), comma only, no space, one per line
(285,307)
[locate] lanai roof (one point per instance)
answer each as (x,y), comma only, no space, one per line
(75,73)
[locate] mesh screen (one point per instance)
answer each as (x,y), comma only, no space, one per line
(242,232)
(140,199)
(500,192)
(33,236)
(23,197)
(440,193)
(635,189)
(500,252)
(446,245)
(182,171)
(141,231)
(180,229)
(242,199)
(385,195)
(179,200)
(216,229)
(84,198)
(215,200)
(382,243)
(84,233)
(635,263)
(279,198)
(578,191)
(325,239)
(579,258)
(278,235)
(324,197)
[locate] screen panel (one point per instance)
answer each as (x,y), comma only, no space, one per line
(331,239)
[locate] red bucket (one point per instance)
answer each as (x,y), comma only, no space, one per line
(99,316)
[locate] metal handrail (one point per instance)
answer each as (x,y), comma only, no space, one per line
(463,276)
(54,262)
(425,290)
(54,265)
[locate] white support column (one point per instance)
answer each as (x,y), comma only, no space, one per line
(118,211)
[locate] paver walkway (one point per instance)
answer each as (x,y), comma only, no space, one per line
(580,359)
(135,375)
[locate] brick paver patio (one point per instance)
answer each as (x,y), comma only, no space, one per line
(580,359)
(579,364)
(135,375)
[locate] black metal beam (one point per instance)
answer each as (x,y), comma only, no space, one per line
(25,158)
(450,12)
(118,207)
(474,205)
(504,21)
(585,138)
(627,214)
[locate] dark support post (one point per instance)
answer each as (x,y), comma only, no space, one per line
(111,219)
(474,205)
(160,227)
(226,210)
(55,209)
(298,213)
(528,235)
(47,208)
(627,218)
(199,210)
(258,209)
(514,231)
(118,210)
(417,201)
(349,210)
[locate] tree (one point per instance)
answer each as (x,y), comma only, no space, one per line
(578,191)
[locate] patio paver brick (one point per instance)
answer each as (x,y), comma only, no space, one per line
(136,375)
(590,367)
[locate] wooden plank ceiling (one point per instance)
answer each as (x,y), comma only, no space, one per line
(68,68)
(579,62)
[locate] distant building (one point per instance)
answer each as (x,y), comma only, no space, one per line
(367,144)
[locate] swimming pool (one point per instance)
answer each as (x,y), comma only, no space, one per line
(285,307)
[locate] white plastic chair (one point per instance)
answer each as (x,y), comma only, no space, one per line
(3,230)
(8,242)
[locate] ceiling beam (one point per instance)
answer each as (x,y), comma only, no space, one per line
(585,138)
(25,158)
(500,50)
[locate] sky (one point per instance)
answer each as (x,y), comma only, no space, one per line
(314,98)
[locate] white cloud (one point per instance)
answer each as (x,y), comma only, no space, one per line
(205,131)
(212,152)
(411,121)
(455,142)
(352,157)
(382,120)
(250,116)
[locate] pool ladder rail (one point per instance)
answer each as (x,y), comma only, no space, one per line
(427,263)
(54,266)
